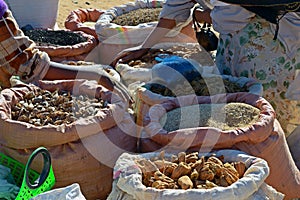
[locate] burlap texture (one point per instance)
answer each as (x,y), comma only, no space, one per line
(84,151)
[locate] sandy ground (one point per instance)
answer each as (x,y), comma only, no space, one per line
(66,6)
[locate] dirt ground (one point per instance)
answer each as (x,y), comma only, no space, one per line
(66,6)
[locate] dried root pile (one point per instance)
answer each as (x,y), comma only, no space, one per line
(187,171)
(59,107)
(138,16)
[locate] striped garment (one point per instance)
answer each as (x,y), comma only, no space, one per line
(18,55)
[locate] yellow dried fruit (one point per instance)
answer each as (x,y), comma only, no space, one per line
(185,182)
(240,168)
(181,170)
(201,173)
(160,185)
(206,173)
(165,166)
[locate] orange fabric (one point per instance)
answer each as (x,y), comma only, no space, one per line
(77,17)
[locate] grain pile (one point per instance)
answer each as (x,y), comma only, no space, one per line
(223,116)
(187,171)
(138,16)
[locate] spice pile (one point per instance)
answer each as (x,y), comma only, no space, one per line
(148,60)
(199,86)
(138,16)
(59,107)
(187,171)
(57,37)
(225,117)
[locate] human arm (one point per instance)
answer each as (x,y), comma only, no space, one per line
(162,28)
(75,21)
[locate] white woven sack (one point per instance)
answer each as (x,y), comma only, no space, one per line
(71,192)
(37,13)
(111,33)
(127,183)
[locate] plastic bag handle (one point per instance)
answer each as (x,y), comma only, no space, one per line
(46,168)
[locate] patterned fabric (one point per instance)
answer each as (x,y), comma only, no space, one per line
(17,53)
(253,53)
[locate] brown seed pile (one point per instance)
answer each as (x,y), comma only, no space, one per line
(225,117)
(138,16)
(59,107)
(187,171)
(199,86)
(54,37)
(148,60)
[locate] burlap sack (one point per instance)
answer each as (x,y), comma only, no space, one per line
(75,21)
(83,152)
(145,98)
(127,183)
(115,38)
(74,52)
(264,139)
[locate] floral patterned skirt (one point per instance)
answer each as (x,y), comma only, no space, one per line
(253,53)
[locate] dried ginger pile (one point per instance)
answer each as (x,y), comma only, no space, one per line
(188,171)
(42,107)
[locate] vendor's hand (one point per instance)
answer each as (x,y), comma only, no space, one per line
(129,54)
(4,79)
(203,16)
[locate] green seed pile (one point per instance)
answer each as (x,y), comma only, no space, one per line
(138,16)
(223,116)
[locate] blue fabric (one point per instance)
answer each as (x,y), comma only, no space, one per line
(3,7)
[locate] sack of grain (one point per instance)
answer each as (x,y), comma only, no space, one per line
(84,150)
(140,70)
(264,138)
(128,183)
(114,36)
(63,45)
(211,83)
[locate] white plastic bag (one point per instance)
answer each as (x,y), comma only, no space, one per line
(127,183)
(37,13)
(71,192)
(109,32)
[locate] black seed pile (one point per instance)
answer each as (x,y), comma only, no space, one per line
(138,16)
(59,37)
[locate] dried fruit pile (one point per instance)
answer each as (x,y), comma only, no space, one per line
(138,16)
(187,171)
(59,107)
(58,37)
